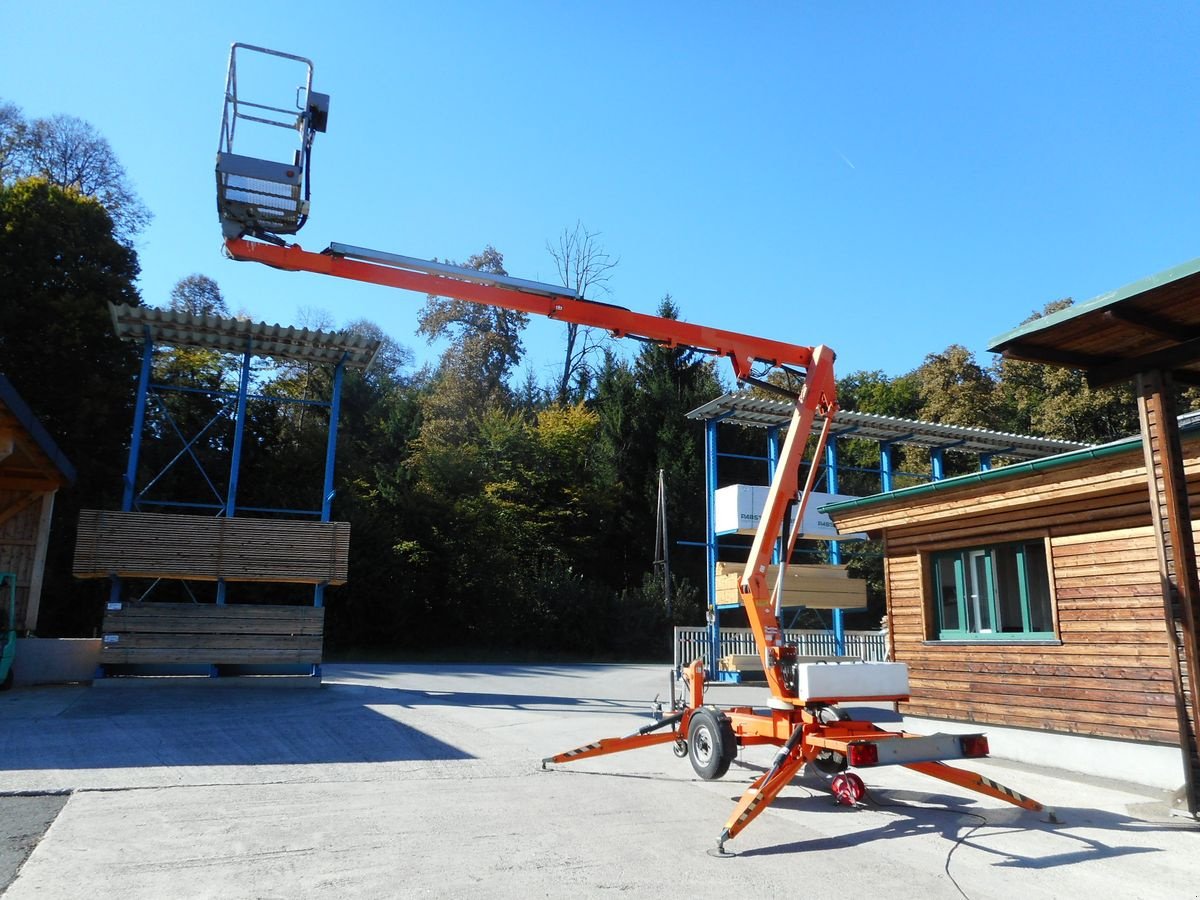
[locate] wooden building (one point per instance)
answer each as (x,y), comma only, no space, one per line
(1058,596)
(32,469)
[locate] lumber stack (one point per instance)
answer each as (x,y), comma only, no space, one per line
(814,586)
(204,548)
(208,633)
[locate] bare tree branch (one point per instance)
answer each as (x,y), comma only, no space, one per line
(70,153)
(585,267)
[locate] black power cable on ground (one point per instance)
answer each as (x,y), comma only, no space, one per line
(868,797)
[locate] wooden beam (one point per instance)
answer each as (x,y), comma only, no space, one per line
(1174,357)
(1034,353)
(18,506)
(1150,323)
(1186,376)
(1171,520)
(7,442)
(38,572)
(31,484)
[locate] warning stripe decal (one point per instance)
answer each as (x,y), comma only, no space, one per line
(1006,791)
(750,809)
(578,750)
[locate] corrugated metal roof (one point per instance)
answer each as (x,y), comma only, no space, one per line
(749,410)
(229,335)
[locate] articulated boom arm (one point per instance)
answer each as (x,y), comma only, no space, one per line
(818,396)
(266,198)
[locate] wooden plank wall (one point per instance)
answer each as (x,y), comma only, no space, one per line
(205,633)
(1111,674)
(20,514)
(203,548)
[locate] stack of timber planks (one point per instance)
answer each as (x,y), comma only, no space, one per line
(814,586)
(204,548)
(205,633)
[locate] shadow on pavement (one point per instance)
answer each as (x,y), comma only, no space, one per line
(202,725)
(961,822)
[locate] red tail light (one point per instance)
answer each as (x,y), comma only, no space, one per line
(862,754)
(974,745)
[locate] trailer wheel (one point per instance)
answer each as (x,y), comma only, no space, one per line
(711,742)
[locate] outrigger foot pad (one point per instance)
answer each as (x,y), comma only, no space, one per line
(1052,816)
(719,851)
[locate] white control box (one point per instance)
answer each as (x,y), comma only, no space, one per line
(852,681)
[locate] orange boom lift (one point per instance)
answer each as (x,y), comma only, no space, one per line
(260,199)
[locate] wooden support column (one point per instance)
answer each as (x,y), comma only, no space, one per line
(1177,562)
(33,605)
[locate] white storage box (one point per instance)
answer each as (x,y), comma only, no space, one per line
(739,507)
(852,681)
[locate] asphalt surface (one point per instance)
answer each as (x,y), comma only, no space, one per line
(425,781)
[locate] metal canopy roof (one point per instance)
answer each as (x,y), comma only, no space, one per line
(1150,324)
(229,335)
(748,410)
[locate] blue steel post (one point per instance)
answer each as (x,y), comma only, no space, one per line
(239,430)
(772,462)
(335,411)
(135,443)
(139,422)
(937,467)
(985,462)
(885,468)
(710,542)
(835,549)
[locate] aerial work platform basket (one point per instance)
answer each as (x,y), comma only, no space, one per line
(263,188)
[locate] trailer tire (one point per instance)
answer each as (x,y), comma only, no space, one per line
(711,743)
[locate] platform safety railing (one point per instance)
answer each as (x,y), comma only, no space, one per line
(264,151)
(693,643)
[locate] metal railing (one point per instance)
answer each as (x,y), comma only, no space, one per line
(693,643)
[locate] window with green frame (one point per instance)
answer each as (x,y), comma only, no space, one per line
(997,592)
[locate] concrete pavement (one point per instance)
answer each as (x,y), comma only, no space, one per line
(424,781)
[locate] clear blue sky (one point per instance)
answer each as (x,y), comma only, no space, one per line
(886,178)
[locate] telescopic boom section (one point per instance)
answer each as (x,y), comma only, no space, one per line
(466,284)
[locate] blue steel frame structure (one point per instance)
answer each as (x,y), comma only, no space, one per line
(887,431)
(258,340)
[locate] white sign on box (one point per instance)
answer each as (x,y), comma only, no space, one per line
(739,507)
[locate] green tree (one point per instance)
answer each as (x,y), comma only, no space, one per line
(485,347)
(12,137)
(71,153)
(61,266)
(198,295)
(955,389)
(1057,402)
(875,392)
(643,427)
